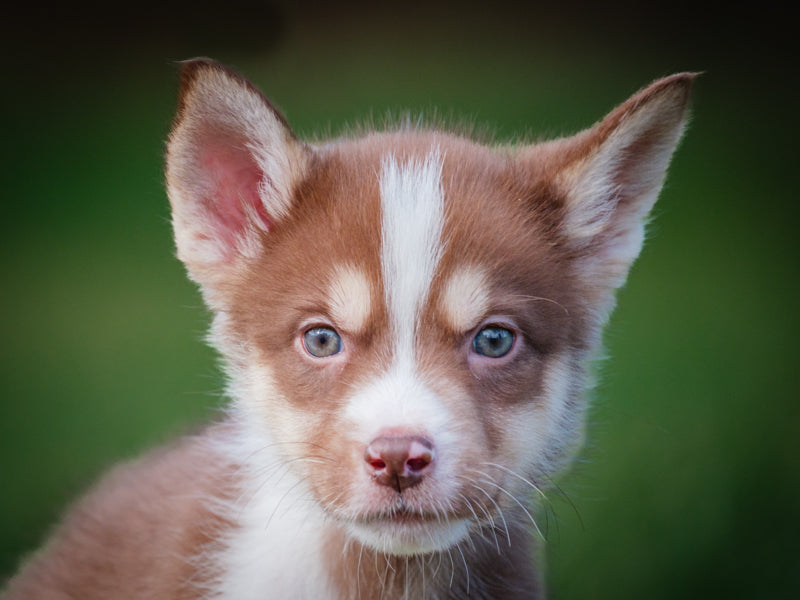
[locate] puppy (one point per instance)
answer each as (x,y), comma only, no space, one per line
(405,318)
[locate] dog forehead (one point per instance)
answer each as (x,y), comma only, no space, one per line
(397,177)
(435,214)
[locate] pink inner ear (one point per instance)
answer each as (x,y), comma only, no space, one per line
(233,180)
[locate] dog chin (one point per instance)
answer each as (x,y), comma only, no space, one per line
(405,535)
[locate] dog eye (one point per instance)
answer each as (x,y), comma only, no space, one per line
(493,341)
(322,342)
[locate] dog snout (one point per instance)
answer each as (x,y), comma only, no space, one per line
(399,461)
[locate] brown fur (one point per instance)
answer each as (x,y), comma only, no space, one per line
(140,534)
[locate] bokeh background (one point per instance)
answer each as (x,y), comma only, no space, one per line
(690,482)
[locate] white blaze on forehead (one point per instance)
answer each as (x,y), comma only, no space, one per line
(465,298)
(350,299)
(411,245)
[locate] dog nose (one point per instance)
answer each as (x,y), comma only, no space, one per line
(399,461)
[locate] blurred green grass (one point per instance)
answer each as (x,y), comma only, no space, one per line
(690,481)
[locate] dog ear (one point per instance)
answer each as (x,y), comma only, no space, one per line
(231,168)
(609,177)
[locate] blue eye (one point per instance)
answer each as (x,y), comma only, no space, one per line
(322,342)
(493,341)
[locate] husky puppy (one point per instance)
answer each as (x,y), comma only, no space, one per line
(405,318)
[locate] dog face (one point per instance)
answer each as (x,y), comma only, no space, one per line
(406,316)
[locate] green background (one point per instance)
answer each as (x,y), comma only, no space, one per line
(690,482)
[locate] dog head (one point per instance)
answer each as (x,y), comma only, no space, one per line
(406,316)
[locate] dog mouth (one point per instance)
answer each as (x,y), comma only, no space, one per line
(409,525)
(405,531)
(404,515)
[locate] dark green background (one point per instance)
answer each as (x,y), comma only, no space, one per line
(690,483)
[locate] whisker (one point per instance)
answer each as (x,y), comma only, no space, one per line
(497,506)
(440,556)
(405,591)
(542,299)
(566,497)
(358,571)
(466,568)
(421,562)
(535,487)
(522,506)
(452,567)
(277,506)
(492,527)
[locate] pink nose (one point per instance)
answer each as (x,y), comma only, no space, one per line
(400,461)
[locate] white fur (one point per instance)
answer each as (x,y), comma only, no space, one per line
(274,550)
(556,417)
(350,299)
(397,398)
(465,298)
(411,245)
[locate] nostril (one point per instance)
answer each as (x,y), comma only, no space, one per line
(376,463)
(420,454)
(399,461)
(417,464)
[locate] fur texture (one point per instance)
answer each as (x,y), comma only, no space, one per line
(405,318)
